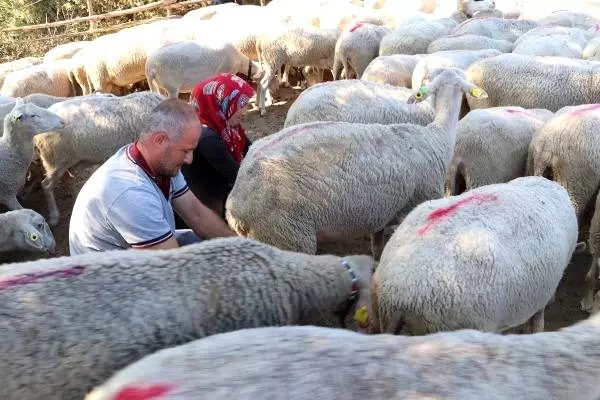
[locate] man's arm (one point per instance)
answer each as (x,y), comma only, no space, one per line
(201,219)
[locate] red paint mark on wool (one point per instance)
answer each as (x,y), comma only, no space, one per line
(443,213)
(355,27)
(585,108)
(518,111)
(34,277)
(149,392)
(290,133)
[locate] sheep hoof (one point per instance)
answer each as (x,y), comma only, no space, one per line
(580,248)
(263,112)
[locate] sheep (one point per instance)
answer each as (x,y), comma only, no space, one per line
(553,41)
(177,67)
(393,70)
(415,38)
(25,229)
(92,314)
(492,146)
(592,50)
(21,124)
(496,28)
(357,101)
(208,12)
(590,301)
(489,273)
(322,179)
(356,48)
(64,51)
(296,47)
(456,58)
(310,362)
(534,82)
(468,42)
(55,79)
(95,128)
(569,19)
(16,65)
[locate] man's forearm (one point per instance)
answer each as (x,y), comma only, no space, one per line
(207,224)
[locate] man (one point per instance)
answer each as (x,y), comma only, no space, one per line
(128,202)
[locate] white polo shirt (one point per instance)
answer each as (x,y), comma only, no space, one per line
(121,206)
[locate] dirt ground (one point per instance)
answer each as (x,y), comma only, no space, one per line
(564,311)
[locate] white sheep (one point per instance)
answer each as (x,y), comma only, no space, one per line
(414,38)
(25,229)
(21,125)
(177,67)
(357,101)
(534,82)
(553,41)
(69,323)
(468,42)
(21,63)
(208,12)
(322,179)
(95,128)
(455,58)
(495,28)
(396,70)
(309,362)
(296,47)
(492,146)
(571,19)
(500,253)
(55,79)
(65,51)
(356,48)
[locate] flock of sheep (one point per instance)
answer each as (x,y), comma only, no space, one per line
(468,130)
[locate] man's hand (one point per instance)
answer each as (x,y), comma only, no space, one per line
(201,219)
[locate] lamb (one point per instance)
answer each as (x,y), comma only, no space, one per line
(535,82)
(55,79)
(457,58)
(553,41)
(25,229)
(492,146)
(309,362)
(65,51)
(415,38)
(357,101)
(489,273)
(296,47)
(496,28)
(393,70)
(177,67)
(96,127)
(322,179)
(468,42)
(356,48)
(93,314)
(16,65)
(570,19)
(21,124)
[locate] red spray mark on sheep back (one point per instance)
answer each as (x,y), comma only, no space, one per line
(289,134)
(34,277)
(356,26)
(443,213)
(585,108)
(520,112)
(150,392)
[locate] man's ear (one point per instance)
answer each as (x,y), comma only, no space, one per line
(159,138)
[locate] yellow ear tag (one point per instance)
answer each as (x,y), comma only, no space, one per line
(362,316)
(477,92)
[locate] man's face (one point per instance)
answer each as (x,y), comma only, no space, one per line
(180,151)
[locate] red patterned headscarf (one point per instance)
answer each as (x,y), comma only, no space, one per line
(216,99)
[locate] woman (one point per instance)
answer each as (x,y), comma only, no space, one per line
(220,101)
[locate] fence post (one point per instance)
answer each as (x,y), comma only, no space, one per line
(90,13)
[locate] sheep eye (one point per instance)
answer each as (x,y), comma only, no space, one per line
(34,236)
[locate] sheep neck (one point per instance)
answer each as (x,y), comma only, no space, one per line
(446,107)
(15,140)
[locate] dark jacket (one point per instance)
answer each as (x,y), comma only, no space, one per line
(213,171)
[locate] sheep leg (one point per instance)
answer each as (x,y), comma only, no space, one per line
(536,323)
(589,286)
(48,185)
(286,76)
(377,244)
(13,204)
(264,90)
(337,69)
